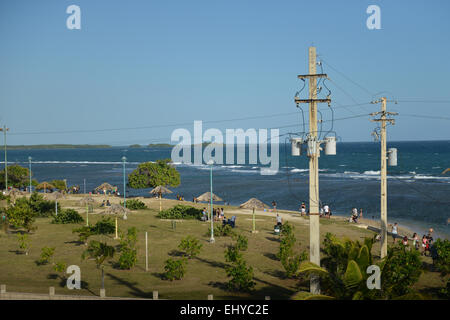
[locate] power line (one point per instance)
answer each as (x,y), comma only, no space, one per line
(348,78)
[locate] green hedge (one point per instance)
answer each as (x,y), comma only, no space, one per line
(67,216)
(181,212)
(135,204)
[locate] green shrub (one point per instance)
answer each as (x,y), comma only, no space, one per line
(175,269)
(128,258)
(21,215)
(289,260)
(46,255)
(24,242)
(401,269)
(104,226)
(222,231)
(42,207)
(191,246)
(241,276)
(135,204)
(181,212)
(60,267)
(67,216)
(442,259)
(83,233)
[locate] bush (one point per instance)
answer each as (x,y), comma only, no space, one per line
(21,215)
(401,269)
(289,260)
(175,269)
(222,231)
(181,212)
(83,233)
(67,216)
(190,246)
(241,276)
(42,207)
(442,259)
(135,204)
(128,258)
(24,242)
(104,226)
(46,255)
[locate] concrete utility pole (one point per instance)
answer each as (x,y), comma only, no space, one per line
(5,129)
(313,153)
(383,172)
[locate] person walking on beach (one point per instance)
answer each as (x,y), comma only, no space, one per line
(303,209)
(394,231)
(360,213)
(415,238)
(279,220)
(326,209)
(274,205)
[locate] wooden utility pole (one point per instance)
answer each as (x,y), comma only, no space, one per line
(383,172)
(5,129)
(313,153)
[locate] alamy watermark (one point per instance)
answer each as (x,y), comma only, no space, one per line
(257,142)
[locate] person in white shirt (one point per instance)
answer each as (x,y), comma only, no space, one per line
(326,209)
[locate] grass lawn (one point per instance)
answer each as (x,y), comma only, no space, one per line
(205,273)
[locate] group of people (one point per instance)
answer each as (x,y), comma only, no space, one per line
(105,203)
(218,214)
(180,197)
(355,215)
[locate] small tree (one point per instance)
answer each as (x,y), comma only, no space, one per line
(18,177)
(289,260)
(46,255)
(99,252)
(24,242)
(241,275)
(153,174)
(21,215)
(191,246)
(127,247)
(175,269)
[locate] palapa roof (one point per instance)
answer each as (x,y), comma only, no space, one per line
(45,185)
(160,190)
(254,203)
(86,200)
(104,186)
(207,197)
(116,209)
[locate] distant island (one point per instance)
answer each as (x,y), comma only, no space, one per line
(135,146)
(160,145)
(59,146)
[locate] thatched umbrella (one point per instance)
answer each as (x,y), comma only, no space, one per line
(254,203)
(45,185)
(160,190)
(116,210)
(56,196)
(86,201)
(207,197)
(105,186)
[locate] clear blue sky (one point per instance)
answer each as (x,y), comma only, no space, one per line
(143,63)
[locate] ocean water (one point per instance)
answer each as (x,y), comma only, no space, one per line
(418,194)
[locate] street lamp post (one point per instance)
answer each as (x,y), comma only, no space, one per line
(211,163)
(5,129)
(124,159)
(29,162)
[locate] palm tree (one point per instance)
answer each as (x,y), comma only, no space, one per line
(99,252)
